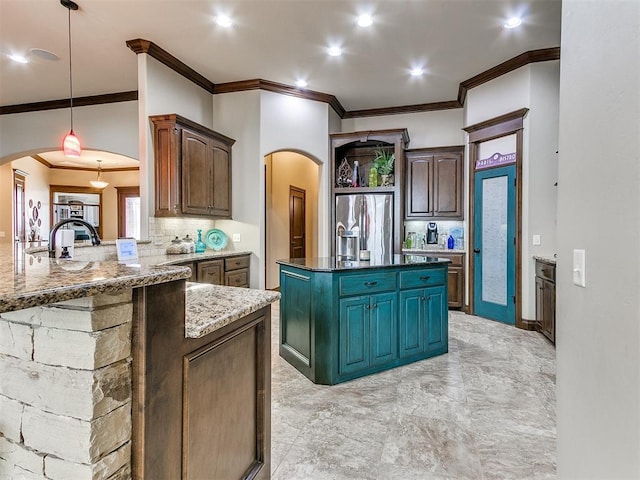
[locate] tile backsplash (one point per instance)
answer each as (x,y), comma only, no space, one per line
(456,228)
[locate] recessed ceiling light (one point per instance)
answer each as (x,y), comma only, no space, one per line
(417,72)
(44,54)
(365,20)
(334,51)
(224,21)
(18,58)
(513,22)
(301,83)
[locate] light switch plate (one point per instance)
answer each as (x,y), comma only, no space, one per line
(579,274)
(236,237)
(536,239)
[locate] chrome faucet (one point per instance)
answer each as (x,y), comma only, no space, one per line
(95,239)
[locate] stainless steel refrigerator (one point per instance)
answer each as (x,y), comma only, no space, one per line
(364,222)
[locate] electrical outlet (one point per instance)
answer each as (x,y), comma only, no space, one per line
(536,239)
(157,240)
(236,237)
(1,234)
(579,271)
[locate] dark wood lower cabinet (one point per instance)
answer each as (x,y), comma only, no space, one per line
(230,271)
(546,299)
(202,407)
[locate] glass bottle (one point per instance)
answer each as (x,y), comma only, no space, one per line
(200,245)
(373,177)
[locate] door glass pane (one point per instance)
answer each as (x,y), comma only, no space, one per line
(494,240)
(132,217)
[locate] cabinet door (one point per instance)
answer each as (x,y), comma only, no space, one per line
(167,169)
(211,272)
(384,328)
(221,179)
(197,173)
(436,319)
(419,180)
(447,186)
(549,310)
(412,322)
(455,286)
(354,334)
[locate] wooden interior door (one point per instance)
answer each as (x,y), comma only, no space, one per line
(19,217)
(128,212)
(297,222)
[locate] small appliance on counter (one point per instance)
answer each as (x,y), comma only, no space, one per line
(432,233)
(65,238)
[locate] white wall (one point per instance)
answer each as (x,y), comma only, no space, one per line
(598,327)
(110,127)
(426,129)
(534,86)
(237,115)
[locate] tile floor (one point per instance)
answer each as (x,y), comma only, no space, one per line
(485,410)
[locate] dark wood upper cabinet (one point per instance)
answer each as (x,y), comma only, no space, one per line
(434,183)
(192,168)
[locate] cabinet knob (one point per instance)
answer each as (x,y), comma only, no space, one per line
(476,250)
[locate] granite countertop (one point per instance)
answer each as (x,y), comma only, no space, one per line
(551,260)
(330,264)
(189,257)
(210,307)
(29,281)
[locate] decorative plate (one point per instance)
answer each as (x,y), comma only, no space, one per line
(215,239)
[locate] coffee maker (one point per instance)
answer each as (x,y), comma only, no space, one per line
(432,233)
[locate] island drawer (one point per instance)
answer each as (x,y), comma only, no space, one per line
(235,263)
(422,278)
(369,283)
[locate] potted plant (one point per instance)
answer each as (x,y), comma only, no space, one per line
(383,163)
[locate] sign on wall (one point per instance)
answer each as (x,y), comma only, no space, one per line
(496,160)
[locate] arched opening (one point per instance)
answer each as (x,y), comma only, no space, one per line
(53,181)
(291,198)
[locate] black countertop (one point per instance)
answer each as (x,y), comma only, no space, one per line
(332,264)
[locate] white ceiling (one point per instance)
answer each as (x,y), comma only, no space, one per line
(276,40)
(88,160)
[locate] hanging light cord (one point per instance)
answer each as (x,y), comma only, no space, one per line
(70,75)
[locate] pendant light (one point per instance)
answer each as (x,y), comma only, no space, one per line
(70,144)
(97,183)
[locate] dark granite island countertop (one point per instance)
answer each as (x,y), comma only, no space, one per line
(332,264)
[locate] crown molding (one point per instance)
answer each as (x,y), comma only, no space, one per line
(66,103)
(532,56)
(140,45)
(497,127)
(260,84)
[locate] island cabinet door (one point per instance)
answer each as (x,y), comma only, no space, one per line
(354,334)
(412,322)
(437,321)
(384,328)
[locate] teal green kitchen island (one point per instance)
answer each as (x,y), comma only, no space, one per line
(341,320)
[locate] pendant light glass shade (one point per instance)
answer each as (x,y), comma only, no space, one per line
(71,143)
(97,183)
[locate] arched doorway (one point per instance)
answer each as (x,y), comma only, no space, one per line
(46,171)
(291,193)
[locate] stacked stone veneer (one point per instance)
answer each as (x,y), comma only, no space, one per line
(65,390)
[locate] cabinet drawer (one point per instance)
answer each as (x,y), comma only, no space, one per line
(422,278)
(546,270)
(371,283)
(237,278)
(235,263)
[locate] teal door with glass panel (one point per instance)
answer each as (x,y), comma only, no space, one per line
(494,244)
